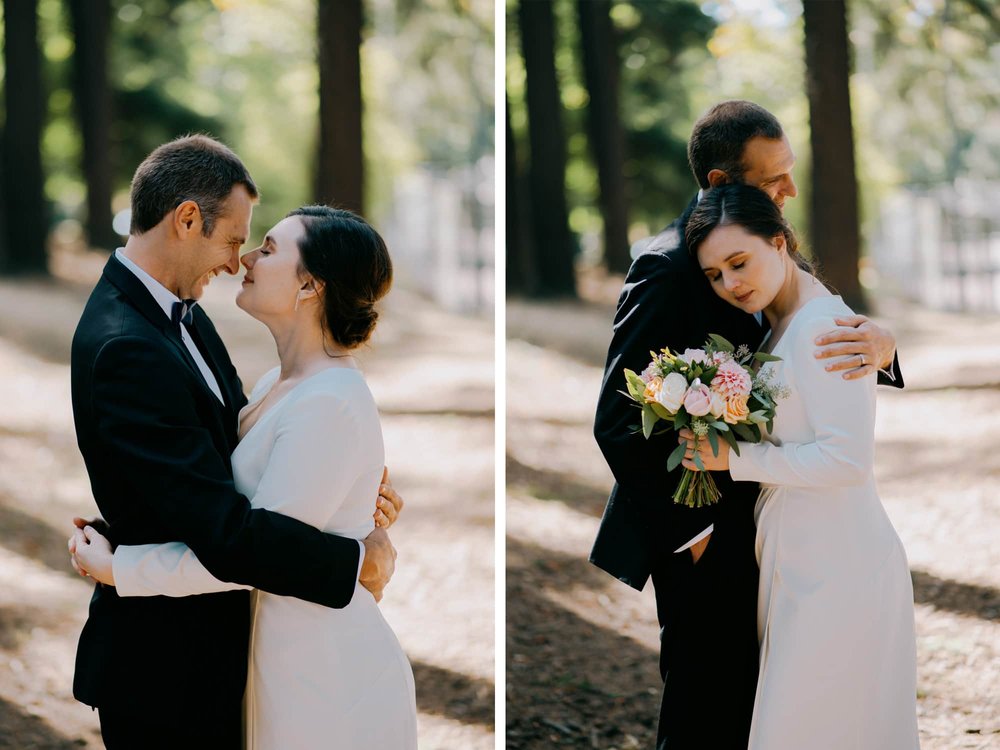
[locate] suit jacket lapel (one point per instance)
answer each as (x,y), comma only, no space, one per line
(211,357)
(136,292)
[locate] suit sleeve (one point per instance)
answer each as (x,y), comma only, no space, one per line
(179,483)
(893,376)
(840,412)
(654,311)
(308,476)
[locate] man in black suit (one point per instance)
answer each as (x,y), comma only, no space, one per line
(155,402)
(702,560)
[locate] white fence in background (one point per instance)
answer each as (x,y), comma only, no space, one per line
(941,245)
(439,229)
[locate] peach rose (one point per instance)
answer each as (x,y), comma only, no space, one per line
(736,409)
(652,388)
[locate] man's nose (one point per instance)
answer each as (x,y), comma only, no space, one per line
(233,264)
(790,189)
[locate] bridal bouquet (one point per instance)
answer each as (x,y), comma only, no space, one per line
(713,392)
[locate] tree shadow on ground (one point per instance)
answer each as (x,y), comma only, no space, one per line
(961,598)
(443,692)
(20,731)
(570,682)
(29,537)
(555,485)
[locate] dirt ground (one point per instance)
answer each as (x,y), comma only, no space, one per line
(431,373)
(581,646)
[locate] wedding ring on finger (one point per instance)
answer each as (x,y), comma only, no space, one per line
(863,363)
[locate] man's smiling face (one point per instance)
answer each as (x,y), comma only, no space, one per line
(767,164)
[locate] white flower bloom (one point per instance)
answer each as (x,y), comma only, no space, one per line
(671,394)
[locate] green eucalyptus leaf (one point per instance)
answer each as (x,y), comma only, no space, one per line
(730,438)
(713,440)
(720,343)
(765,357)
(676,456)
(648,420)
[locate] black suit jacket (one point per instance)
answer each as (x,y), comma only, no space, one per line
(666,302)
(157,442)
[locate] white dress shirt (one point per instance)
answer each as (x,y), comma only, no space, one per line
(166,299)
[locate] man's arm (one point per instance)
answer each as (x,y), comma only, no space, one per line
(178,483)
(654,312)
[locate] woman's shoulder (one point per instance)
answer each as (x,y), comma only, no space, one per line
(818,314)
(334,390)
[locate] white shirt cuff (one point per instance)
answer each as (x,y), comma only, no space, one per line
(361,560)
(697,539)
(123,570)
(888,374)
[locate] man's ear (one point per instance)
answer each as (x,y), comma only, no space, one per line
(717,177)
(187,218)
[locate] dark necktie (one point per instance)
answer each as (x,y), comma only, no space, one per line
(183,312)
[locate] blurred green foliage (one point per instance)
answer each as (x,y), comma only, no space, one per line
(925,94)
(244,71)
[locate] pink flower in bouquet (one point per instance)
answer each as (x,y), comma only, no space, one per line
(698,400)
(672,391)
(649,373)
(718,405)
(694,356)
(736,409)
(732,380)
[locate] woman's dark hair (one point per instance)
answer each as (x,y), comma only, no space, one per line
(341,250)
(748,207)
(721,135)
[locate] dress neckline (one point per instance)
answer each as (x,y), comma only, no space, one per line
(273,407)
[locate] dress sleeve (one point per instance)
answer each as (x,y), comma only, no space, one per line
(312,467)
(841,414)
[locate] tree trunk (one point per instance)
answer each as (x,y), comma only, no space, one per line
(340,168)
(519,274)
(834,206)
(553,247)
(91,26)
(601,70)
(27,221)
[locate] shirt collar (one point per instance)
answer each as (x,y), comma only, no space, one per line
(163,296)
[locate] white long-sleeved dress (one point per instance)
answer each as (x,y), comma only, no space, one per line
(835,605)
(318,677)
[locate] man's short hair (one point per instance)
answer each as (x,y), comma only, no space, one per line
(194,167)
(721,135)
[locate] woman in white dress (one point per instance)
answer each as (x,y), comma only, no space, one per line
(835,605)
(311,448)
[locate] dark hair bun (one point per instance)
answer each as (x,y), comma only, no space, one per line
(350,258)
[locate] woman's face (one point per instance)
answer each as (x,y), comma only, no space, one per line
(272,283)
(745,270)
